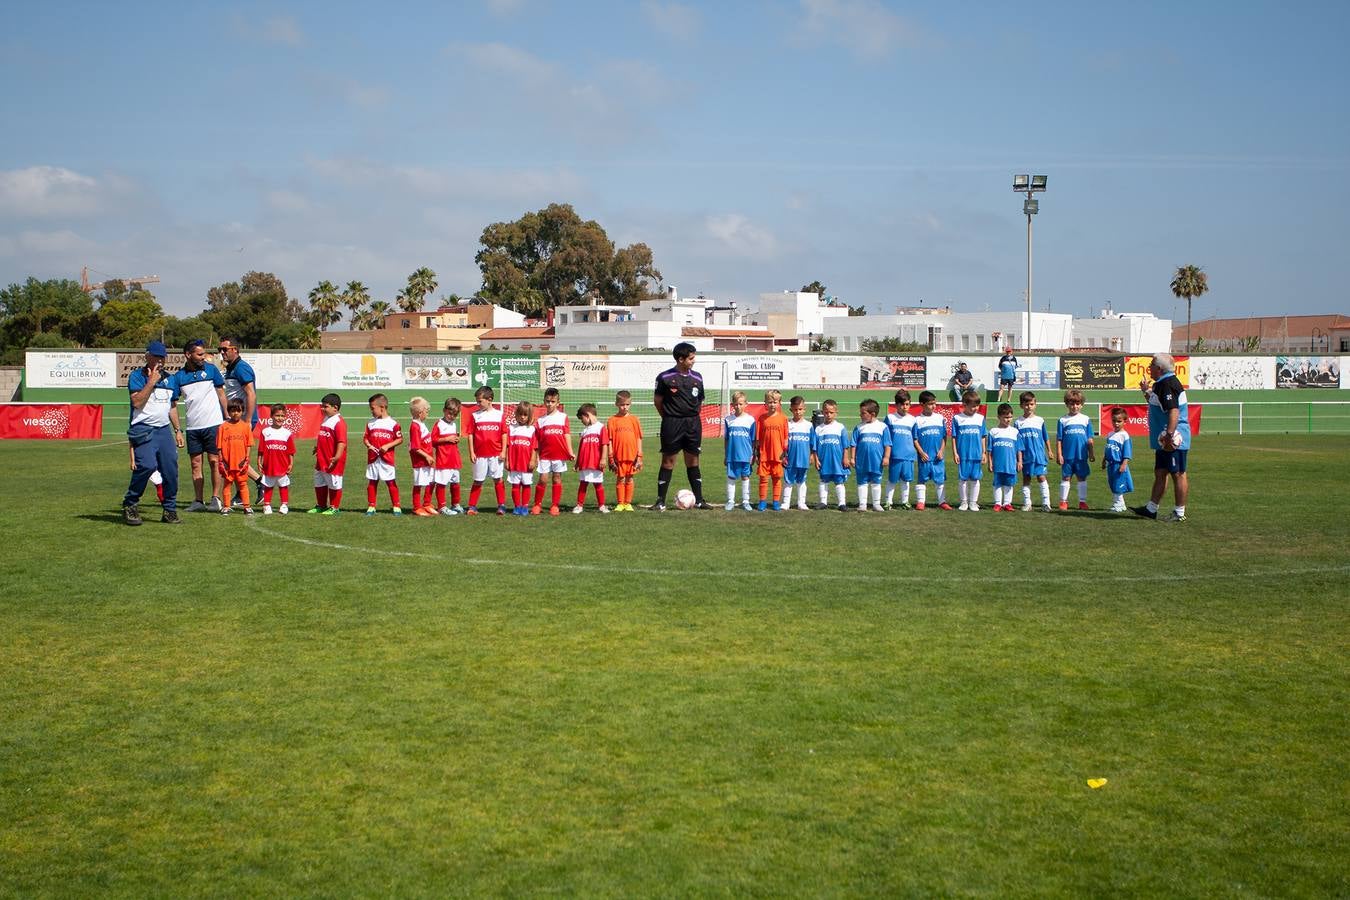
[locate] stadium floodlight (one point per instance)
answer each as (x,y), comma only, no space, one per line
(1029,184)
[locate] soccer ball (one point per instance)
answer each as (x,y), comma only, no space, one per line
(684,499)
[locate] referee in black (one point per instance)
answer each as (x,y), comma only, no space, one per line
(679,402)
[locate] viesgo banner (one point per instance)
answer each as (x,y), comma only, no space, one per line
(303,419)
(51,421)
(1136,418)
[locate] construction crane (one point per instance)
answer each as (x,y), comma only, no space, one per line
(98,286)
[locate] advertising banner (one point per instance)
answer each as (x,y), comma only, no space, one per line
(758,373)
(509,371)
(894,372)
(828,372)
(447,370)
(365,371)
(1101,373)
(1037,372)
(1307,372)
(575,372)
(1226,373)
(303,419)
(277,371)
(638,373)
(1136,420)
(942,372)
(70,369)
(51,421)
(130,362)
(1136,369)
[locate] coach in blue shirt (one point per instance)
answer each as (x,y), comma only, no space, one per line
(154,435)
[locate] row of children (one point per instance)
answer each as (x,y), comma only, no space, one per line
(909,448)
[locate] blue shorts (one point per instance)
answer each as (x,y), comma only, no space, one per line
(201,440)
(869,478)
(1077,467)
(900,470)
(934,470)
(970,471)
(1174,461)
(738,470)
(1034,470)
(794,475)
(834,479)
(1005,479)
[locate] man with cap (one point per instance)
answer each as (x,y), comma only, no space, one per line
(154,435)
(202,389)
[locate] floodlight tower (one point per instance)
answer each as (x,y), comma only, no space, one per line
(1029,184)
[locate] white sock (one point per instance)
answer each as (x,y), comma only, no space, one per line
(801,495)
(1153,507)
(1117,499)
(1026,494)
(824,494)
(921,492)
(973,493)
(876,494)
(1180,510)
(862,496)
(942,493)
(890,493)
(1045,493)
(904,493)
(745,488)
(1082,492)
(961,489)
(839,492)
(731,490)
(1064,491)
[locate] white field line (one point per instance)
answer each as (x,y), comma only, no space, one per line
(121,443)
(810,576)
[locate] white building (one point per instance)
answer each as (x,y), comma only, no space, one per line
(1123,332)
(793,316)
(943,330)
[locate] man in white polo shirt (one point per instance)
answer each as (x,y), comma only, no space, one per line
(202,390)
(154,445)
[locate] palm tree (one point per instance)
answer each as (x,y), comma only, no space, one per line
(354,297)
(309,338)
(420,283)
(324,300)
(378,310)
(1189,282)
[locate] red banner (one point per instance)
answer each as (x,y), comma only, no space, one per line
(51,421)
(1136,418)
(303,419)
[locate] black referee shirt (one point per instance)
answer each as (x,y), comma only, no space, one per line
(682,393)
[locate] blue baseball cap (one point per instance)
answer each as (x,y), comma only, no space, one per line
(157,348)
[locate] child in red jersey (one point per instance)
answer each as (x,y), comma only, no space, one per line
(487,440)
(555,450)
(423,456)
(330,457)
(520,453)
(592,453)
(383,434)
(276,456)
(445,441)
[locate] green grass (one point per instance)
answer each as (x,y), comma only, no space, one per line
(694,703)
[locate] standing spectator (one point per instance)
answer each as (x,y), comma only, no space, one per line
(1169,434)
(240,382)
(1007,374)
(679,402)
(202,389)
(153,445)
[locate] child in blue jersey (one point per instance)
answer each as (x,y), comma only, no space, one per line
(1074,450)
(930,437)
(1003,458)
(1033,451)
(1116,460)
(903,455)
(831,454)
(871,454)
(798,457)
(738,430)
(970,449)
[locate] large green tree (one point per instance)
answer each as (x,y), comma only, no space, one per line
(553,257)
(250,309)
(129,318)
(51,313)
(1189,282)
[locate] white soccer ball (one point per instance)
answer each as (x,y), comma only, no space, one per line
(684,499)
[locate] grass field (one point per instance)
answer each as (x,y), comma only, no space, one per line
(678,704)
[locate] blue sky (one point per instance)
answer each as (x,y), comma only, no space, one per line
(755,146)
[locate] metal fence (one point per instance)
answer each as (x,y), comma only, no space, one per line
(1273,417)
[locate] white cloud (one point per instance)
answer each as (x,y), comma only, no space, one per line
(740,237)
(52,191)
(453,182)
(675,20)
(508,60)
(28,244)
(865,27)
(284,30)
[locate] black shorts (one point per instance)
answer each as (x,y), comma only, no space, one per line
(1007,382)
(201,440)
(681,434)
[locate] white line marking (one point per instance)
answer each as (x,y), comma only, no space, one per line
(121,443)
(809,576)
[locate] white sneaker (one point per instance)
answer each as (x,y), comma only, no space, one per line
(447,511)
(284,509)
(974,507)
(267,510)
(803,507)
(213,505)
(603,510)
(877,507)
(458,510)
(964,507)
(248,510)
(731,504)
(862,507)
(746,506)
(577,510)
(1026,507)
(225,511)
(1045,507)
